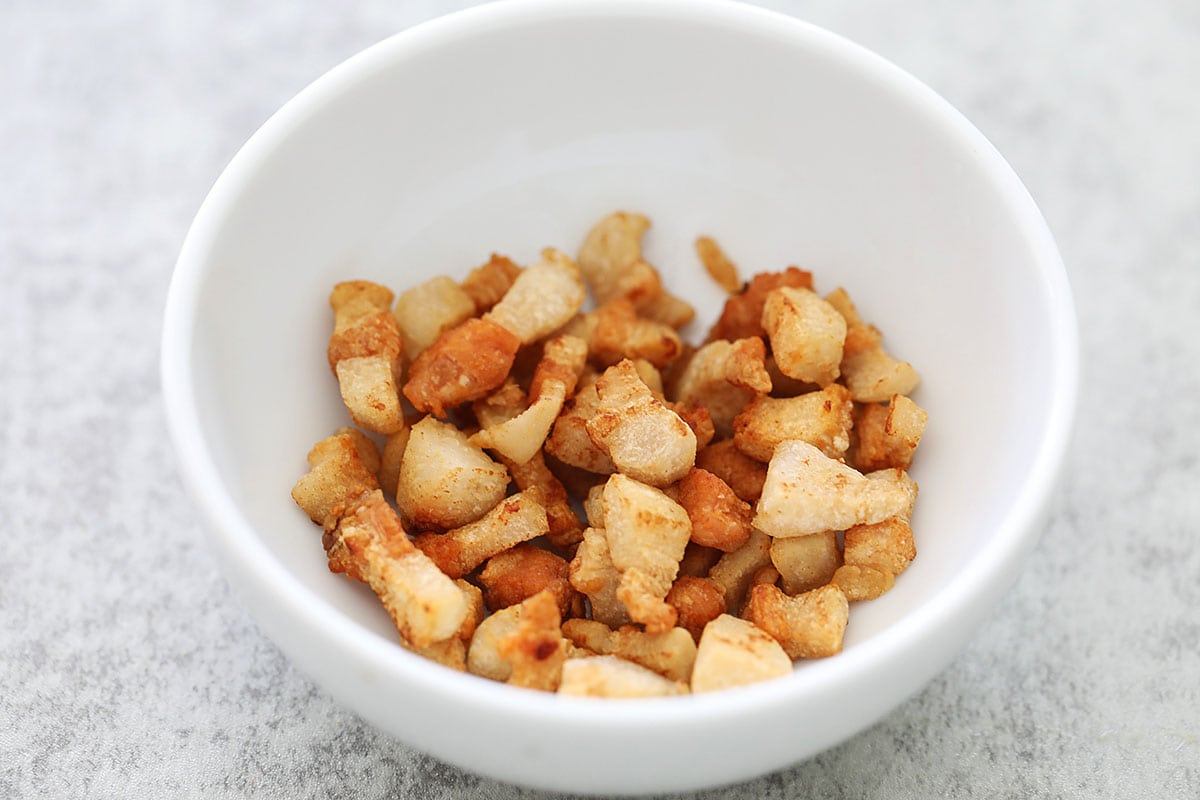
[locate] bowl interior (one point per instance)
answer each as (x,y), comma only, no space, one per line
(427,153)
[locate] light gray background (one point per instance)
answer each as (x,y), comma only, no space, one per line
(128,670)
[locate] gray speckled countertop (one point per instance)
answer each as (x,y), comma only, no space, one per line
(127,669)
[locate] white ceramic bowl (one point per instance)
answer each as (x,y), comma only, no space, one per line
(514,126)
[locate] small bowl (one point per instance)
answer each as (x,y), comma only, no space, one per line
(516,125)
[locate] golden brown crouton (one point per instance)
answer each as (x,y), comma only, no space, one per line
(809,625)
(869,372)
(614,332)
(464,364)
(521,572)
(513,520)
(821,418)
(886,436)
(488,283)
(697,602)
(535,648)
(339,474)
(670,654)
(718,265)
(742,315)
(743,474)
(719,517)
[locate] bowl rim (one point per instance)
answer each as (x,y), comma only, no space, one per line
(233,535)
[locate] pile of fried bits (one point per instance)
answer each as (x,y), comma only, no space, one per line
(583,503)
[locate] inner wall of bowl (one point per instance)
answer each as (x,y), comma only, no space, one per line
(508,143)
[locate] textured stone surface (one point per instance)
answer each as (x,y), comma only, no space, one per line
(127,669)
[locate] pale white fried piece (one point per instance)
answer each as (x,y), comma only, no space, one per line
(592,573)
(513,520)
(904,481)
(734,571)
(697,601)
(563,360)
(535,479)
(340,472)
(645,439)
(670,654)
(465,363)
(718,265)
(742,315)
(593,506)
(522,571)
(609,676)
(483,654)
(614,331)
(733,652)
(807,334)
(870,373)
(886,436)
(370,393)
(390,460)
(724,376)
(445,481)
(370,544)
(364,353)
(543,298)
(647,533)
(535,648)
(808,492)
(744,474)
(809,625)
(428,310)
(488,283)
(719,517)
(821,418)
(519,438)
(611,259)
(806,562)
(569,441)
